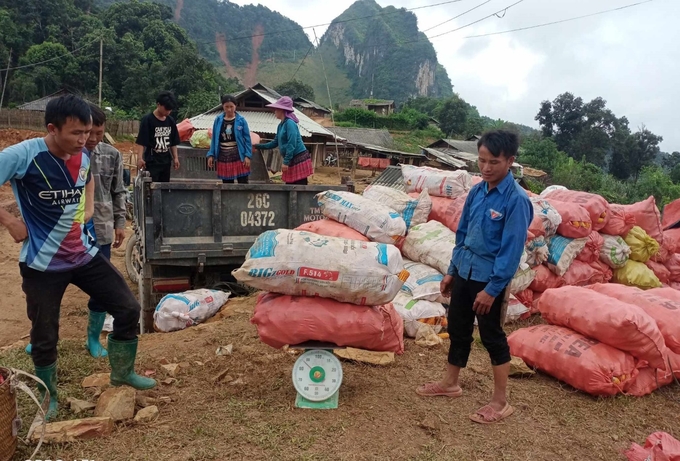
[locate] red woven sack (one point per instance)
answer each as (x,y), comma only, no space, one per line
(613,322)
(581,362)
(282,320)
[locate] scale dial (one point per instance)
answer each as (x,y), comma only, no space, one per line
(317,375)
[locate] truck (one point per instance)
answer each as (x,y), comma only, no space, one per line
(193,231)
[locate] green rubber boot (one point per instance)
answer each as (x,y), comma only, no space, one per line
(48,375)
(95,323)
(122,359)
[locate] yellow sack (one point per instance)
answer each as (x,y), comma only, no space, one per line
(642,246)
(636,274)
(200,139)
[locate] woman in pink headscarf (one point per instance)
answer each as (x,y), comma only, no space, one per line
(297,163)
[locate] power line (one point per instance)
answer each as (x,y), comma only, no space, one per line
(456,17)
(560,21)
(303,61)
(54,58)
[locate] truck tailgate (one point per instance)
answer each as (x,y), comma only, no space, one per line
(213,221)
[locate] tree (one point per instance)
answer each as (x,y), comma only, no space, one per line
(295,89)
(453,116)
(541,153)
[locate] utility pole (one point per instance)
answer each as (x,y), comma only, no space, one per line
(4,84)
(101,68)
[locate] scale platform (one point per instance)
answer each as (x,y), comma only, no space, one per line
(317,376)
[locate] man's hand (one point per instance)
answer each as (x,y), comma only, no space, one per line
(141,164)
(284,168)
(211,162)
(483,303)
(446,285)
(175,162)
(246,162)
(118,237)
(17,229)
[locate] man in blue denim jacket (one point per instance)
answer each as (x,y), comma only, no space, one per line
(489,244)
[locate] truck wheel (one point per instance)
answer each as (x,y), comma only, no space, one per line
(132,259)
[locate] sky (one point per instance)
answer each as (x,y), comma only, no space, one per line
(630,57)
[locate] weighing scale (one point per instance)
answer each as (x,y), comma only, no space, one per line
(317,376)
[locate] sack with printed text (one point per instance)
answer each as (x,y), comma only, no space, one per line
(657,303)
(423,282)
(305,264)
(581,362)
(537,251)
(411,310)
(546,218)
(523,277)
(436,182)
(614,322)
(581,274)
(563,252)
(412,210)
(615,251)
(545,279)
(659,446)
(431,244)
(181,310)
(377,222)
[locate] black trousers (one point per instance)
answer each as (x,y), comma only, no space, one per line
(160,172)
(241,180)
(461,320)
(45,290)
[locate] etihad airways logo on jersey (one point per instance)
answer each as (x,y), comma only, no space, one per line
(62,197)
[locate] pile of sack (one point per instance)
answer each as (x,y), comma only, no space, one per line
(605,339)
(343,279)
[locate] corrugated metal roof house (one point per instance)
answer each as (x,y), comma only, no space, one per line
(39,105)
(369,142)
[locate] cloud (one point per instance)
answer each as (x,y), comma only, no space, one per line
(628,57)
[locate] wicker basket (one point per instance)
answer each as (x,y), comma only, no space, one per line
(8,414)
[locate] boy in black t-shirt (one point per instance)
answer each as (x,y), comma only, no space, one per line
(157,139)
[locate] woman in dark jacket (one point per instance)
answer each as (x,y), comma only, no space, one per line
(297,163)
(230,144)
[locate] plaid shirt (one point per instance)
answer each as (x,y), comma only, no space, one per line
(109,192)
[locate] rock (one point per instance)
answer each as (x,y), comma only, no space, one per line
(430,423)
(360,355)
(97,380)
(184,365)
(74,430)
(220,376)
(225,350)
(79,406)
(147,414)
(145,401)
(117,403)
(168,381)
(172,368)
(164,361)
(518,368)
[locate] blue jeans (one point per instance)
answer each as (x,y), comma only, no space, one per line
(105,251)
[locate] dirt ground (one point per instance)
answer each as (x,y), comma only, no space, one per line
(250,413)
